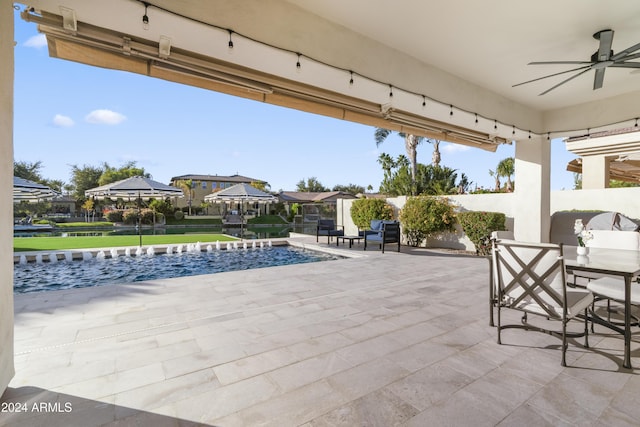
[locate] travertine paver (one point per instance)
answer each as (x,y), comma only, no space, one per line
(377,340)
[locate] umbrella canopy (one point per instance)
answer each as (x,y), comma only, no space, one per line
(611,221)
(136,186)
(241,193)
(24,189)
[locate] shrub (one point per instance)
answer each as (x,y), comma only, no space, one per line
(423,216)
(130,216)
(179,215)
(114,216)
(364,210)
(478,227)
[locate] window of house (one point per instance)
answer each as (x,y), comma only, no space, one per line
(204,185)
(214,185)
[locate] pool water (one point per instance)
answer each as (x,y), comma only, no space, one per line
(38,277)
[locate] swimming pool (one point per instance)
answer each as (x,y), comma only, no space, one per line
(47,276)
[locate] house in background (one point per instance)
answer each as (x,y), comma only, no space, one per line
(201,185)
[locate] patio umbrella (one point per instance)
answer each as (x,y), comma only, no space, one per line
(240,193)
(30,191)
(135,186)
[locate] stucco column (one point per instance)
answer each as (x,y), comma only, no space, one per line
(532,193)
(595,172)
(6,193)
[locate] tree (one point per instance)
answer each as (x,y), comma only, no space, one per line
(411,143)
(186,185)
(261,185)
(83,178)
(495,176)
(312,185)
(30,171)
(430,179)
(111,174)
(505,169)
(351,189)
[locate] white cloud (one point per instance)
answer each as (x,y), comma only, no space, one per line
(454,148)
(63,121)
(104,117)
(37,42)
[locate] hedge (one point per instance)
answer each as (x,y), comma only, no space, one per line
(478,226)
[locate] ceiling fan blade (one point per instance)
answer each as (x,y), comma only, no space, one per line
(598,79)
(606,39)
(628,57)
(565,81)
(552,75)
(560,62)
(625,65)
(625,52)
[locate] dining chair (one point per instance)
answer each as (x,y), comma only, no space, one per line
(530,277)
(606,287)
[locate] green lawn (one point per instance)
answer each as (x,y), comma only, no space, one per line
(21,244)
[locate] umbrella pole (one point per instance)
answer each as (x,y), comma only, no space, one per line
(139,222)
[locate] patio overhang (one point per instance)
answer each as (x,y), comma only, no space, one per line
(379,65)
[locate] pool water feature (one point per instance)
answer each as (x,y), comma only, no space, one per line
(99,271)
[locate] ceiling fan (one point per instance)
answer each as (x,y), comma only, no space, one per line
(600,61)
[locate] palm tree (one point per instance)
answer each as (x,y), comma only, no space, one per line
(186,186)
(505,169)
(495,176)
(411,143)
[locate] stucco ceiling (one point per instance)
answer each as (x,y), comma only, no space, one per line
(490,42)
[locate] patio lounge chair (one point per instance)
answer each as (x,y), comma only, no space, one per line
(530,277)
(327,227)
(383,232)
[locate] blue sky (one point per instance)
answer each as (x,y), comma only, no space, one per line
(72,114)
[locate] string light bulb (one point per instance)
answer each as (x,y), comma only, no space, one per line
(424,101)
(390,91)
(476,117)
(636,123)
(145,18)
(351,78)
(513,130)
(230,41)
(495,125)
(529,134)
(548,136)
(451,110)
(298,65)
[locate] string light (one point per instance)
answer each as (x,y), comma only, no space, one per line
(529,134)
(513,131)
(548,136)
(145,18)
(145,22)
(230,40)
(424,101)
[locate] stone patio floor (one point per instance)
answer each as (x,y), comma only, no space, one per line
(377,340)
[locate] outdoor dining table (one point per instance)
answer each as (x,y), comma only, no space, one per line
(611,262)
